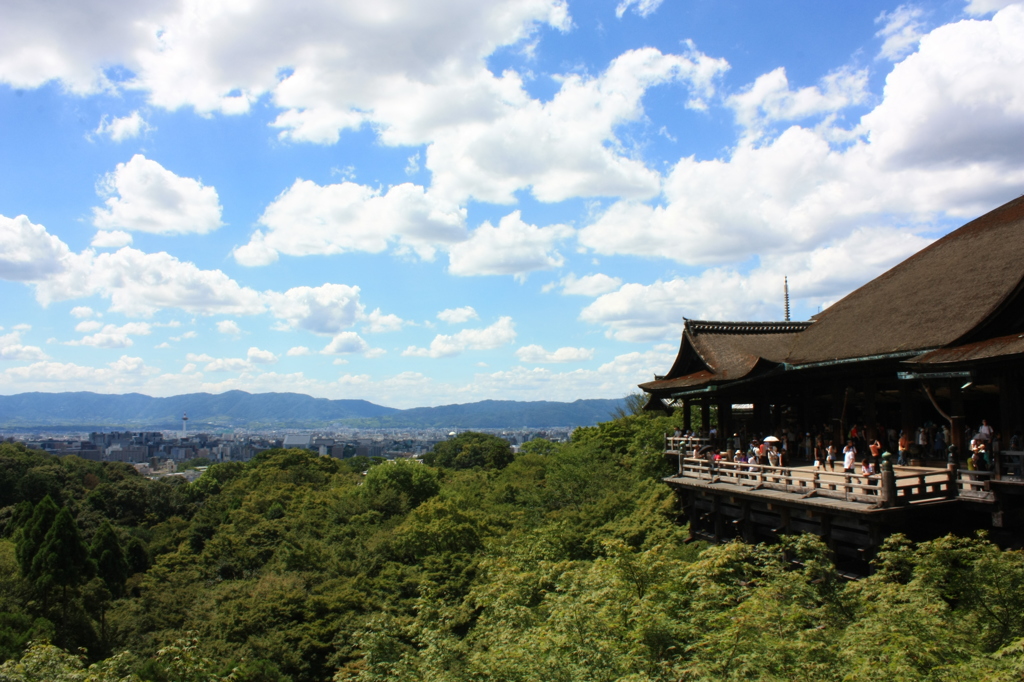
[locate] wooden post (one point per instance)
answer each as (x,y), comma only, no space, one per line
(686,414)
(888,491)
(870,414)
(956,418)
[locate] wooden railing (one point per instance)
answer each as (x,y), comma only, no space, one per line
(974,484)
(684,444)
(805,483)
(1011,465)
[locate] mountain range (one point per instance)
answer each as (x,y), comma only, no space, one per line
(239,409)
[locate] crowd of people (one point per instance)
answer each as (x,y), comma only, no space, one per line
(861,453)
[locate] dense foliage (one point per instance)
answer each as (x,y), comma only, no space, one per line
(565,562)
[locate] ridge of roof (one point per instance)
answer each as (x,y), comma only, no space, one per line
(721,327)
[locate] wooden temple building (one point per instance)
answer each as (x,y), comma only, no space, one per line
(938,338)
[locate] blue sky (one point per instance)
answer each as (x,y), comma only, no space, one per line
(422,203)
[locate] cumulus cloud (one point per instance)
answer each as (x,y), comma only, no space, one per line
(87,326)
(641,313)
(901,31)
(28,252)
(513,247)
(566,147)
(326,309)
(11,348)
(298,351)
(263,357)
(589,285)
(111,335)
(139,284)
(344,343)
(769,99)
(536,354)
(145,196)
(377,322)
(82,311)
(458,315)
(227,365)
(498,334)
(122,128)
(122,375)
(934,146)
(229,327)
(112,239)
(310,219)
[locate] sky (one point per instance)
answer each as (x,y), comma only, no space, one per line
(423,202)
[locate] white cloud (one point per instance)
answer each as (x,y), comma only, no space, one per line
(345,342)
(309,219)
(262,357)
(589,285)
(122,128)
(644,8)
(642,313)
(536,354)
(936,144)
(769,99)
(377,322)
(120,376)
(111,335)
(902,30)
(229,327)
(565,147)
(326,309)
(11,348)
(512,248)
(982,7)
(28,252)
(458,315)
(113,239)
(87,326)
(82,311)
(228,365)
(186,335)
(498,334)
(146,197)
(203,357)
(139,284)
(297,351)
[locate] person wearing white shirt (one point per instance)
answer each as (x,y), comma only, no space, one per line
(849,457)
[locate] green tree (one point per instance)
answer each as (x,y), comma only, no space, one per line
(471,449)
(111,564)
(400,485)
(33,535)
(62,560)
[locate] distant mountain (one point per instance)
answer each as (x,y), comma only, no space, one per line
(134,411)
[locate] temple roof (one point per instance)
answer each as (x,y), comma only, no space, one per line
(959,299)
(946,293)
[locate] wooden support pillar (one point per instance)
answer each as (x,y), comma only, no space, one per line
(747,526)
(838,427)
(957,419)
(870,413)
(705,414)
(1008,409)
(692,514)
(762,420)
(724,422)
(908,411)
(716,513)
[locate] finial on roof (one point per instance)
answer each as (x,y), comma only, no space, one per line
(785,284)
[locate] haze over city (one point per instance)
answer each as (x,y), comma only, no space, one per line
(423,203)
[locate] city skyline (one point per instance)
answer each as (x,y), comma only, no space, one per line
(426,203)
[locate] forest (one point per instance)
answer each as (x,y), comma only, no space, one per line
(563,562)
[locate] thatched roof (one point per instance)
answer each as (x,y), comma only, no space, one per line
(958,295)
